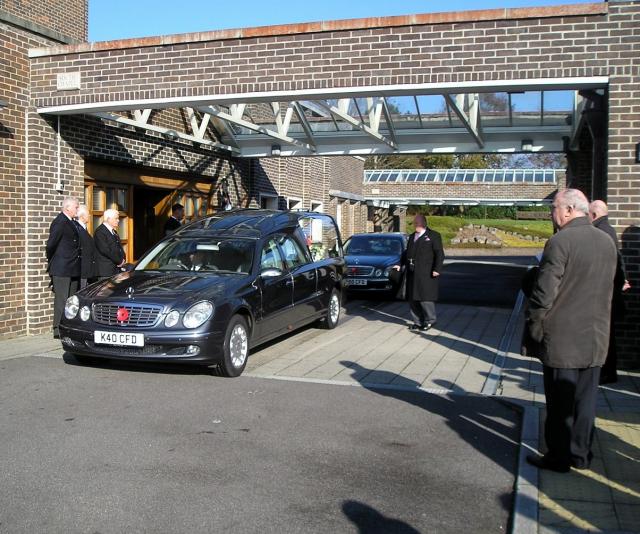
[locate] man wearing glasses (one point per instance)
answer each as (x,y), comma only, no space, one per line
(569,314)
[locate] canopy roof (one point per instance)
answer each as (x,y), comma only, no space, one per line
(540,115)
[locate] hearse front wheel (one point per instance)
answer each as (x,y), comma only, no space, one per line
(236,347)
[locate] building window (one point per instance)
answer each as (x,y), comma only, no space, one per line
(316,206)
(294,204)
(268,202)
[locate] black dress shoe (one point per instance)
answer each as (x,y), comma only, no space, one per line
(543,462)
(425,328)
(56,335)
(414,327)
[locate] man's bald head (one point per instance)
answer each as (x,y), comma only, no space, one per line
(598,209)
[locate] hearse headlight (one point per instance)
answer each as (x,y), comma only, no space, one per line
(387,271)
(85,313)
(197,314)
(172,318)
(378,272)
(71,307)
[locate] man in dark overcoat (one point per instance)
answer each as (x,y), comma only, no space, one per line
(569,313)
(64,258)
(423,260)
(88,268)
(173,222)
(599,214)
(109,252)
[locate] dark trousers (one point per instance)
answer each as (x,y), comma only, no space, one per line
(423,311)
(63,288)
(571,410)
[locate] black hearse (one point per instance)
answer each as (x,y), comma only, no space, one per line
(212,290)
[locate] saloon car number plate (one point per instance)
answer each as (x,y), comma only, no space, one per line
(355,282)
(118,338)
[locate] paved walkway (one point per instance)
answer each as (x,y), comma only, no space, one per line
(470,350)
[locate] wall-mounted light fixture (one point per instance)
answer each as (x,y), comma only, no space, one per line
(275,150)
(3,104)
(527,145)
(637,152)
(170,135)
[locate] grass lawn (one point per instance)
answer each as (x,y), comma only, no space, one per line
(448,226)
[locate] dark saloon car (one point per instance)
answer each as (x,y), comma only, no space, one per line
(212,290)
(370,258)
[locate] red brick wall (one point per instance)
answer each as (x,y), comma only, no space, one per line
(68,17)
(14,90)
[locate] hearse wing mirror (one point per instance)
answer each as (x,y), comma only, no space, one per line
(270,273)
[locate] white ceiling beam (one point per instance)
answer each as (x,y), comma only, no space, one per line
(165,131)
(455,105)
(308,131)
(198,128)
(358,124)
(390,125)
(256,128)
(282,123)
(541,84)
(142,115)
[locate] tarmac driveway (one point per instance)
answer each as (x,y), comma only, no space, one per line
(118,449)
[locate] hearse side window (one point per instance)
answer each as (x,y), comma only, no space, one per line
(321,236)
(271,258)
(293,253)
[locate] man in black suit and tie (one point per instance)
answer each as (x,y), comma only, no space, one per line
(109,251)
(423,261)
(88,264)
(173,223)
(64,258)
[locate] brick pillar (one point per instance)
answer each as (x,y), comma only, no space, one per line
(50,159)
(623,195)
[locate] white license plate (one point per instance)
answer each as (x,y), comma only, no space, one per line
(118,338)
(354,282)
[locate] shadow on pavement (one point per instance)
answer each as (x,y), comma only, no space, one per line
(369,521)
(466,415)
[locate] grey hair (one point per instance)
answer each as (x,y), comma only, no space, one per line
(68,201)
(574,198)
(110,214)
(82,209)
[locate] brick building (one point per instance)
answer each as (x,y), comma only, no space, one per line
(113,118)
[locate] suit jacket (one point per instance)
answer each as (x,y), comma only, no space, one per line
(602,223)
(570,305)
(171,225)
(109,251)
(88,267)
(427,254)
(63,248)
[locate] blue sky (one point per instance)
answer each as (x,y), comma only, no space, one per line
(121,19)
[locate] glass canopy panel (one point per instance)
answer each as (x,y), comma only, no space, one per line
(526,108)
(343,126)
(404,112)
(260,114)
(494,109)
(411,177)
(433,112)
(558,107)
(319,118)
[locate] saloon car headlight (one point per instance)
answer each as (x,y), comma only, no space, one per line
(387,271)
(85,313)
(197,314)
(172,318)
(378,272)
(71,307)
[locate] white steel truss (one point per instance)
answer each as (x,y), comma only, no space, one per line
(361,121)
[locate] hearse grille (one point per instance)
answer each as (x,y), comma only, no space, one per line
(138,314)
(359,270)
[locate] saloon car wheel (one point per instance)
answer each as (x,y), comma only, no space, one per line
(236,347)
(332,315)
